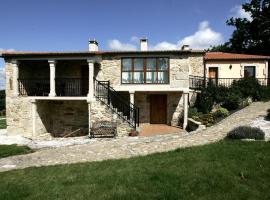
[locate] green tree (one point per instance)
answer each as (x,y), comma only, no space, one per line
(250,36)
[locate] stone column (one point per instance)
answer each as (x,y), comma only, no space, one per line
(15,65)
(131,97)
(131,94)
(89,116)
(185,105)
(52,64)
(90,94)
(34,116)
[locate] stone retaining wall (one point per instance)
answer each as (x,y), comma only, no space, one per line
(101,112)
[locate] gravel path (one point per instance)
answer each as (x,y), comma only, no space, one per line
(97,150)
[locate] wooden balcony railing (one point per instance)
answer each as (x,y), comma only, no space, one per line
(63,87)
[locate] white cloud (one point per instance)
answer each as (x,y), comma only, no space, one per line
(164,46)
(238,12)
(119,46)
(7,50)
(203,38)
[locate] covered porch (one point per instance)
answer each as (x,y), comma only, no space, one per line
(161,112)
(59,117)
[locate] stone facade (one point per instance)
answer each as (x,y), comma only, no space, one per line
(101,112)
(179,71)
(57,117)
(196,64)
(174,107)
(110,69)
(60,117)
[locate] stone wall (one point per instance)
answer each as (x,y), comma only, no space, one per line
(196,64)
(19,116)
(18,109)
(101,112)
(179,71)
(60,117)
(110,69)
(174,107)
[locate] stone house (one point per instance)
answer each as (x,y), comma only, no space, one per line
(57,92)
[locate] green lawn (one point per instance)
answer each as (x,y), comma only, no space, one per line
(10,150)
(224,170)
(3,123)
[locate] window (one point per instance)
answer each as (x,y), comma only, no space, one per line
(145,70)
(249,71)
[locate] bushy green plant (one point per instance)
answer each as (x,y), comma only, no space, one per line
(232,101)
(246,132)
(206,119)
(192,111)
(221,112)
(264,93)
(247,87)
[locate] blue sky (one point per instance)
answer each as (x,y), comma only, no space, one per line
(65,25)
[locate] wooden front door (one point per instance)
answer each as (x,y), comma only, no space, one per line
(158,108)
(213,74)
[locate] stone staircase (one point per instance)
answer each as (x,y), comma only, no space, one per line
(110,106)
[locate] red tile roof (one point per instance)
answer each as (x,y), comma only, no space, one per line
(233,56)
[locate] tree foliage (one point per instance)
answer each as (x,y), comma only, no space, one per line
(250,36)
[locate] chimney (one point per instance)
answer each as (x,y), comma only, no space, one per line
(185,47)
(93,45)
(144,46)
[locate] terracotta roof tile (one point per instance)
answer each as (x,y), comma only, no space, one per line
(232,56)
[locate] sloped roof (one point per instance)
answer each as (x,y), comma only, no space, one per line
(233,56)
(88,53)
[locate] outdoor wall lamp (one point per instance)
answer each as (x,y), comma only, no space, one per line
(230,67)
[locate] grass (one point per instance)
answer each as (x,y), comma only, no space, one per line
(3,123)
(225,170)
(11,150)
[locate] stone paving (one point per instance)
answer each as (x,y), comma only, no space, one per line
(102,149)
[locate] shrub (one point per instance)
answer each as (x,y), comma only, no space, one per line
(264,93)
(246,132)
(192,111)
(232,101)
(247,87)
(205,119)
(221,112)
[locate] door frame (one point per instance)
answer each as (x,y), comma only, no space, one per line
(166,109)
(215,67)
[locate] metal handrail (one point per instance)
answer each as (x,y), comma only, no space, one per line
(127,111)
(198,82)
